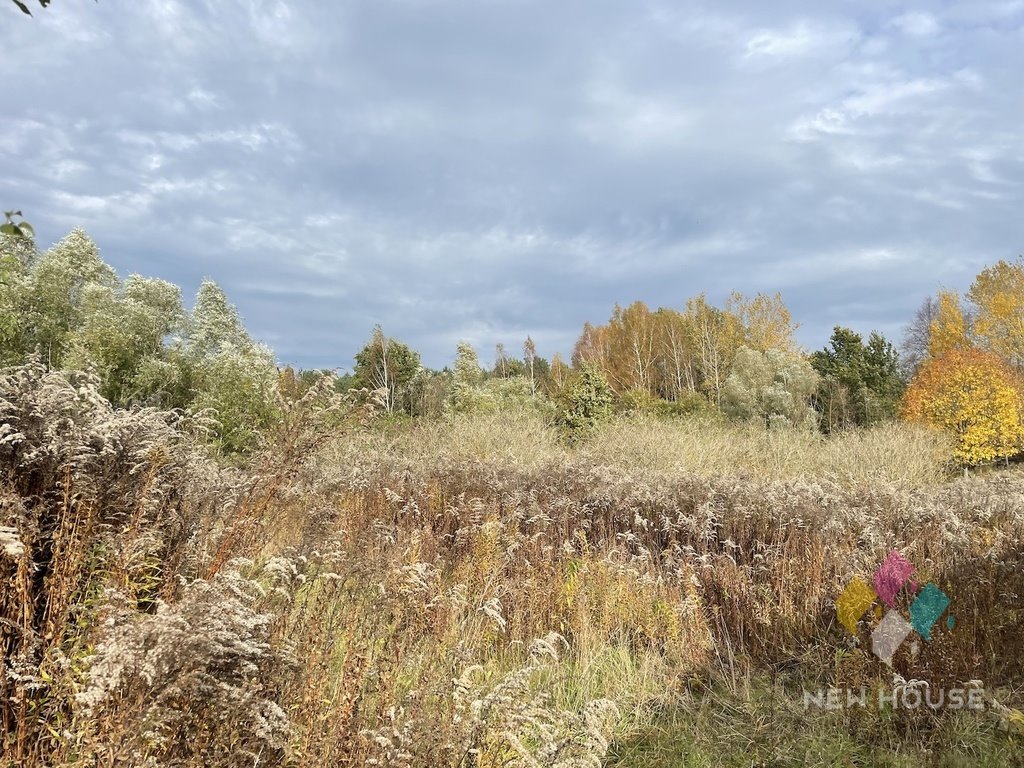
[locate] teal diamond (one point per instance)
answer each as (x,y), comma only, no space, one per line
(927,609)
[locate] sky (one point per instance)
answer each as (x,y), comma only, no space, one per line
(482,170)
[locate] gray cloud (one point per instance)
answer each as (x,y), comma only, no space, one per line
(484,170)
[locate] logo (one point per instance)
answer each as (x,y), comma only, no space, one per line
(894,577)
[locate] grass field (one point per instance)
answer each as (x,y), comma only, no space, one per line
(472,592)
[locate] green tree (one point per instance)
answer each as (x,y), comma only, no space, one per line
(586,401)
(530,363)
(227,371)
(387,366)
(17,255)
(122,331)
(240,387)
(774,387)
(430,392)
(468,376)
(53,303)
(215,324)
(860,383)
(884,380)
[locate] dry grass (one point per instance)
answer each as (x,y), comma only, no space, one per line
(472,592)
(892,453)
(885,454)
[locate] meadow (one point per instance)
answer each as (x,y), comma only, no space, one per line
(474,591)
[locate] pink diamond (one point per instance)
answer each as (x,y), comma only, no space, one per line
(891,576)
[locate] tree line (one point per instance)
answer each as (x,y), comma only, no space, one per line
(68,307)
(960,368)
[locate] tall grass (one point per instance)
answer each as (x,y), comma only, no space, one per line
(464,593)
(890,453)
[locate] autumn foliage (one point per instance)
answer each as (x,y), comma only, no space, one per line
(976,397)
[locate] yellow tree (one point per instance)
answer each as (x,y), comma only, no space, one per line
(676,354)
(998,296)
(948,329)
(592,346)
(633,349)
(767,323)
(624,350)
(717,337)
(975,397)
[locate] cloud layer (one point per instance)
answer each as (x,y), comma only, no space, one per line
(488,169)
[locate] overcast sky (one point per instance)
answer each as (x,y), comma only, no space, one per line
(488,169)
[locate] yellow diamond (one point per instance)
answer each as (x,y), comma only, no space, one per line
(855,600)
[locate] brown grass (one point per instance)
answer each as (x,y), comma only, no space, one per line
(463,593)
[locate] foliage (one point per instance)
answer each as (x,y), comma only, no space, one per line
(68,306)
(505,389)
(974,396)
(997,294)
(388,367)
(371,598)
(495,395)
(638,402)
(466,395)
(25,9)
(773,387)
(51,298)
(949,329)
(671,354)
(17,255)
(14,228)
(861,383)
(230,374)
(122,334)
(430,392)
(238,387)
(766,322)
(530,362)
(467,369)
(214,325)
(586,402)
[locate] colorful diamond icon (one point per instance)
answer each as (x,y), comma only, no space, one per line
(889,635)
(927,609)
(890,577)
(853,603)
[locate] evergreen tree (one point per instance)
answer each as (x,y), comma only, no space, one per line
(860,384)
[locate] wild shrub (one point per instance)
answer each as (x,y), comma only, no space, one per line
(93,497)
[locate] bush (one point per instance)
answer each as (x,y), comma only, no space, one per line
(773,387)
(641,403)
(586,402)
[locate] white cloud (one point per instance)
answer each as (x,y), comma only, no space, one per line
(871,101)
(917,24)
(250,137)
(523,165)
(800,39)
(630,121)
